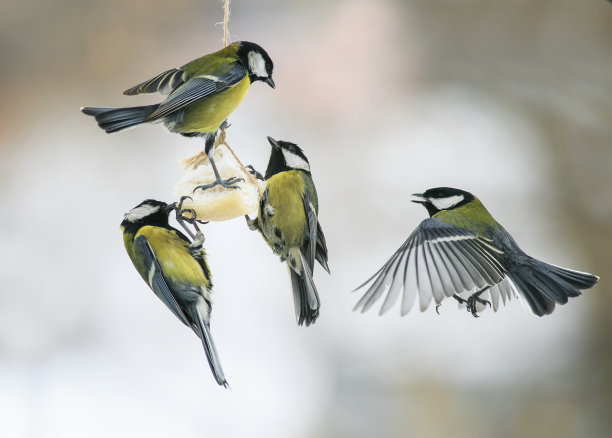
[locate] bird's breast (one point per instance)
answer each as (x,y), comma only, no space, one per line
(207,115)
(176,262)
(285,194)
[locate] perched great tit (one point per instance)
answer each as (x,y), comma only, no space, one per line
(287,220)
(462,250)
(201,95)
(174,268)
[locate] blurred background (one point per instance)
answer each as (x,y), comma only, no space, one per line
(509,100)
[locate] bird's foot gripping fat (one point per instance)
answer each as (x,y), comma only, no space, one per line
(230,183)
(218,202)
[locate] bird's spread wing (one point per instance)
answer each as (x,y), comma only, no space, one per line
(156,280)
(436,261)
(196,88)
(163,83)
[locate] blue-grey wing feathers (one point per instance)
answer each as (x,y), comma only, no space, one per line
(311,232)
(436,261)
(156,279)
(321,248)
(163,83)
(197,88)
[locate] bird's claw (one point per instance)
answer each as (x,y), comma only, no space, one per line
(255,173)
(230,183)
(472,302)
(180,211)
(189,219)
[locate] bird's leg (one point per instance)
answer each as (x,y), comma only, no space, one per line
(198,240)
(229,183)
(181,218)
(459,299)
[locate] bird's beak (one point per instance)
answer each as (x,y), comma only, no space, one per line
(419,198)
(273,142)
(270,82)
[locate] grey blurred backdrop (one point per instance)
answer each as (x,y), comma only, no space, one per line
(509,100)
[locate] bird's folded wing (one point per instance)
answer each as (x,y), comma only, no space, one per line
(311,231)
(321,254)
(156,279)
(196,88)
(163,83)
(436,261)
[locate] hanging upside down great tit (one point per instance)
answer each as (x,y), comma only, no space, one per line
(287,219)
(462,251)
(201,95)
(175,269)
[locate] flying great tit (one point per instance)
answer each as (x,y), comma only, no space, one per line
(201,95)
(462,250)
(287,219)
(174,268)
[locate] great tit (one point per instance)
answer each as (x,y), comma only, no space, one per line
(174,268)
(462,251)
(201,95)
(287,219)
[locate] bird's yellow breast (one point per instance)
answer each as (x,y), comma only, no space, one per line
(173,256)
(207,115)
(285,194)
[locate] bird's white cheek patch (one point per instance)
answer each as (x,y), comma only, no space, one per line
(140,212)
(295,161)
(257,64)
(445,203)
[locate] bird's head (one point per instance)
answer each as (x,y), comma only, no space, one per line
(442,198)
(149,211)
(257,62)
(285,156)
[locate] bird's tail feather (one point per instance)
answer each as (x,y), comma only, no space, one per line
(542,285)
(305,295)
(203,331)
(118,119)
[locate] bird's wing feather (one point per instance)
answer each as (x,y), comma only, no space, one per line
(196,88)
(436,261)
(321,254)
(156,280)
(311,231)
(163,83)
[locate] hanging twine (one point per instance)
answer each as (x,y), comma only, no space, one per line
(226,15)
